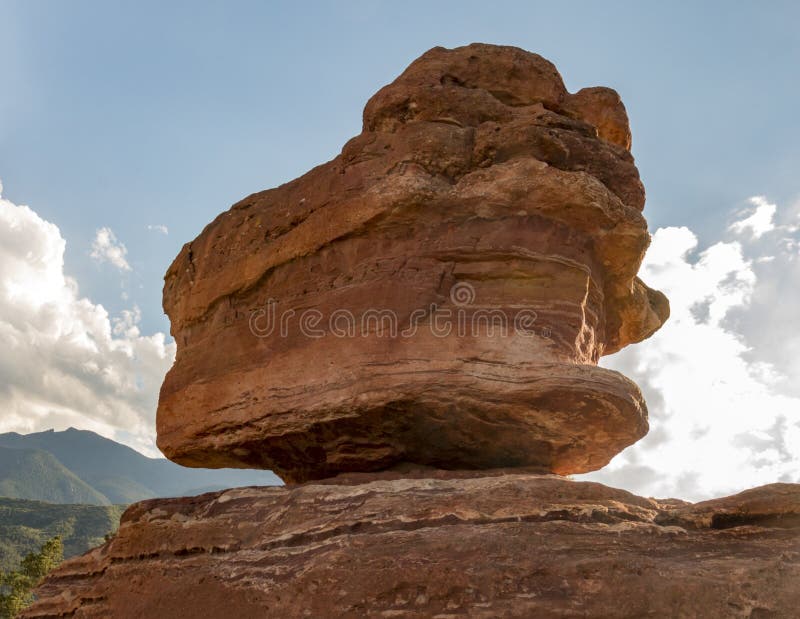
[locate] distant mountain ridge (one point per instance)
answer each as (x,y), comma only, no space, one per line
(79,466)
(37,475)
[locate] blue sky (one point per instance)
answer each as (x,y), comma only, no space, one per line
(124,115)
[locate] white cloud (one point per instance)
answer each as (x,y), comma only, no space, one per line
(106,248)
(759,221)
(158,228)
(64,360)
(718,376)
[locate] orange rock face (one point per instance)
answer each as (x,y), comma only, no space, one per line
(441,544)
(439,293)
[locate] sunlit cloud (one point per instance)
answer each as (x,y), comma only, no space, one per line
(65,361)
(106,248)
(717,376)
(760,219)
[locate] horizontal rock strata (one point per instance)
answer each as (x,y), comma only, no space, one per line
(310,319)
(440,544)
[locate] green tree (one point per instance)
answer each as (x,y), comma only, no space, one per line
(16,587)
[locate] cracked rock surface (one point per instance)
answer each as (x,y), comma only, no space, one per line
(440,544)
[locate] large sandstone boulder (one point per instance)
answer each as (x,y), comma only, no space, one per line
(312,320)
(441,544)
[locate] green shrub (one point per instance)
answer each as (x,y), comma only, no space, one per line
(16,587)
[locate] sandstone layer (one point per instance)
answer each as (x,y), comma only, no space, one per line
(311,319)
(444,545)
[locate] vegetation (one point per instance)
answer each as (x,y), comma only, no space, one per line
(16,587)
(37,475)
(26,525)
(83,467)
(62,493)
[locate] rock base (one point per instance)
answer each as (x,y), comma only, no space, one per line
(440,544)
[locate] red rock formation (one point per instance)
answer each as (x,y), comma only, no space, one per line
(441,544)
(480,193)
(478,184)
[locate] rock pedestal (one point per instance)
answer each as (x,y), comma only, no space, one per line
(445,545)
(438,294)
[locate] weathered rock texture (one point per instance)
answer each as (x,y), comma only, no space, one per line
(478,186)
(440,545)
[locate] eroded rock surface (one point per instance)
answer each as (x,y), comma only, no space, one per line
(440,544)
(480,194)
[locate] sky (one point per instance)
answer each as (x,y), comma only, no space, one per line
(126,127)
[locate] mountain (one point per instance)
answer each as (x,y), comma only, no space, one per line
(123,475)
(38,475)
(26,525)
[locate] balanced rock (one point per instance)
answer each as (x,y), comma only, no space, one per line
(436,297)
(438,294)
(441,544)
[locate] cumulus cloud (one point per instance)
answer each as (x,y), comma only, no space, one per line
(106,248)
(65,361)
(158,228)
(719,376)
